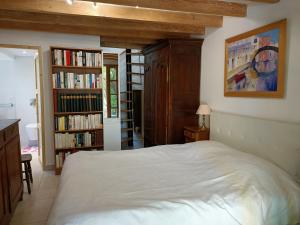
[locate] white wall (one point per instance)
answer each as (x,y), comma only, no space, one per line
(45,40)
(7,93)
(24,92)
(18,86)
(212,81)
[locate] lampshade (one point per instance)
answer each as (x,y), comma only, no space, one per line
(203,110)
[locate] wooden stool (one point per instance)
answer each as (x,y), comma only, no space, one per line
(26,159)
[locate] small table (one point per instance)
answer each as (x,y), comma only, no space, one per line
(193,134)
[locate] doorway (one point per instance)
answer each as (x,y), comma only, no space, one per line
(21,96)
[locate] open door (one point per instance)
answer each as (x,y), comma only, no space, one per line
(39,111)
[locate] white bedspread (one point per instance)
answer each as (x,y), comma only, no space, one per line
(202,183)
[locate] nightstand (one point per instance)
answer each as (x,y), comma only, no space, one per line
(192,134)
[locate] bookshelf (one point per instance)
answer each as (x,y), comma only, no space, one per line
(76,76)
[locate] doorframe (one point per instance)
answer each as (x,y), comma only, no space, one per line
(41,93)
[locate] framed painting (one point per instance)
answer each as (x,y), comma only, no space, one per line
(255,62)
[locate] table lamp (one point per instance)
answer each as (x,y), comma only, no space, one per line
(203,110)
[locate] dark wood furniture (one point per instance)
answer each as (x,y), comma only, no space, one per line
(172,90)
(26,161)
(192,134)
(11,185)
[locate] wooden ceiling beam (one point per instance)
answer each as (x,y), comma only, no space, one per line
(266,1)
(133,40)
(74,29)
(100,23)
(121,45)
(194,6)
(112,11)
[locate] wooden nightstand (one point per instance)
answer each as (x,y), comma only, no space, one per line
(192,134)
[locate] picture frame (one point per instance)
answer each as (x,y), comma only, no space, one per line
(255,62)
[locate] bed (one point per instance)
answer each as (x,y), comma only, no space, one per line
(205,183)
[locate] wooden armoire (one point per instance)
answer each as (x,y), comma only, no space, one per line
(172,90)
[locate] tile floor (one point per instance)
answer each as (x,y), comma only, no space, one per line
(35,208)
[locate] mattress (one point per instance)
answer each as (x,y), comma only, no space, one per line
(191,184)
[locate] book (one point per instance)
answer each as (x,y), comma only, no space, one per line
(68,80)
(76,58)
(78,102)
(78,122)
(60,158)
(76,140)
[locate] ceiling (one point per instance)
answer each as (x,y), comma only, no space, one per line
(123,23)
(11,53)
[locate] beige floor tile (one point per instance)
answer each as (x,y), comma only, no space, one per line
(35,208)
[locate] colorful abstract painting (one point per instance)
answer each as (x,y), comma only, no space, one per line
(254,62)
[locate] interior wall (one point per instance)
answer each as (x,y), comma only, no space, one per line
(45,40)
(213,56)
(6,92)
(18,87)
(24,92)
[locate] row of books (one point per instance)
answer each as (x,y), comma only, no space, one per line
(76,58)
(78,122)
(60,158)
(77,102)
(78,140)
(72,80)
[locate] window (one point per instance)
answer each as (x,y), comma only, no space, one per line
(112,91)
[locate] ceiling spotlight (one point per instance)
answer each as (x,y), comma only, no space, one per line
(95,4)
(24,52)
(70,2)
(137,7)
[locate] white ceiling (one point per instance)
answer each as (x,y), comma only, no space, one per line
(12,53)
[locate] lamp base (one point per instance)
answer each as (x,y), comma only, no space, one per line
(203,126)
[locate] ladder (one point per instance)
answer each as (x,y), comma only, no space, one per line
(134,78)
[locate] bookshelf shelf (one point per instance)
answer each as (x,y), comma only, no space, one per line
(76,113)
(80,148)
(78,131)
(77,67)
(76,76)
(78,89)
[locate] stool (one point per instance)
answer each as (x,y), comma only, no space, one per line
(26,159)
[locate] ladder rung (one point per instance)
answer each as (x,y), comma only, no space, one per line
(127,129)
(137,83)
(126,140)
(136,64)
(137,74)
(126,120)
(126,110)
(134,53)
(126,101)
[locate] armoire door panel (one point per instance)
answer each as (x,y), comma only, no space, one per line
(161,109)
(149,99)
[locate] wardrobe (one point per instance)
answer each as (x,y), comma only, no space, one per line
(172,90)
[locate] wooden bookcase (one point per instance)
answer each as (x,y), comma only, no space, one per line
(76,78)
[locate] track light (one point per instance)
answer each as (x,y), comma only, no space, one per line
(95,4)
(70,2)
